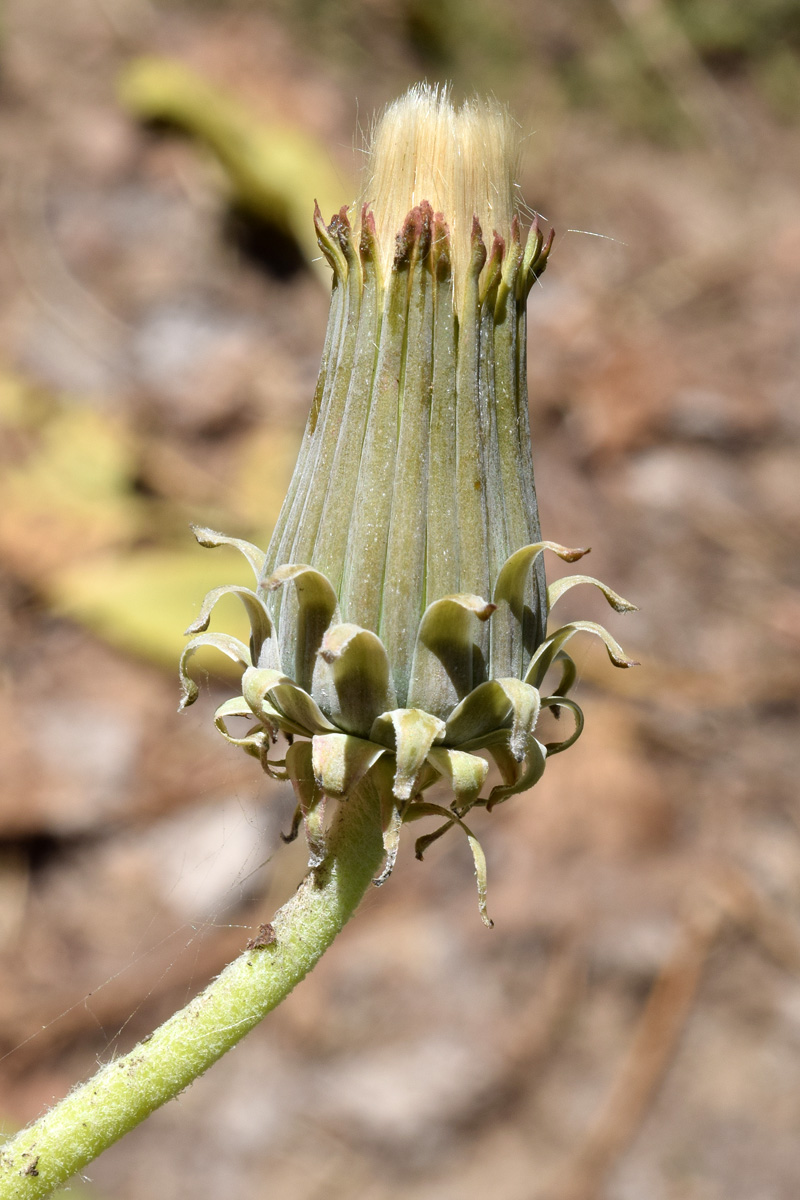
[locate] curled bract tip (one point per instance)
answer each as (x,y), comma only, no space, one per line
(336,702)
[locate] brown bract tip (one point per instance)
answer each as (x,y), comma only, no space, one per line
(367,243)
(407,237)
(340,228)
(426,227)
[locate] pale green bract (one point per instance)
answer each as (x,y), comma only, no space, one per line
(398,624)
(343,702)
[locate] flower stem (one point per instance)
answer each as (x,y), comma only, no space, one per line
(124,1092)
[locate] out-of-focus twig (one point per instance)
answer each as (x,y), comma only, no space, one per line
(773,930)
(643,1068)
(275,171)
(531,1039)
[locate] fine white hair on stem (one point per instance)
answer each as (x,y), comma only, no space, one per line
(463,161)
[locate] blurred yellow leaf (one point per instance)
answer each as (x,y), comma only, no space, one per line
(142,602)
(22,404)
(70,520)
(71,495)
(262,480)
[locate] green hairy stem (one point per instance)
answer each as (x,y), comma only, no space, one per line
(123,1093)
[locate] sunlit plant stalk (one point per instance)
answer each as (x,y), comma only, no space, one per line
(399,616)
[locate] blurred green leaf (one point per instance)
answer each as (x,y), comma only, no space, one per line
(778,76)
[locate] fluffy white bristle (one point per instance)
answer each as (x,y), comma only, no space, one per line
(463,161)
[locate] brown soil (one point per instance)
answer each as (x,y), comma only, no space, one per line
(630,1029)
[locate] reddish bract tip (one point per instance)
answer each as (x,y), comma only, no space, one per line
(408,235)
(498,248)
(366,245)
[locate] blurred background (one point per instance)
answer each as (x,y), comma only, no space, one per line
(631,1027)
